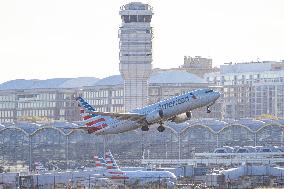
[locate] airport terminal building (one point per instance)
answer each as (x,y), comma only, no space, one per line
(54,144)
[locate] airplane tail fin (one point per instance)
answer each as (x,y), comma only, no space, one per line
(113,171)
(110,161)
(99,162)
(82,103)
(94,121)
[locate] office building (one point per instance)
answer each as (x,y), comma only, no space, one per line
(34,104)
(198,65)
(251,89)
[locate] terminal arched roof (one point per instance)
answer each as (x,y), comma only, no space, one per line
(178,127)
(215,126)
(27,126)
(252,124)
(65,127)
(175,76)
(171,76)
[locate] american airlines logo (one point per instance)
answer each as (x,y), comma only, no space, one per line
(176,102)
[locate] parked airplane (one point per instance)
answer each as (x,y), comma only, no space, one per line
(113,172)
(177,109)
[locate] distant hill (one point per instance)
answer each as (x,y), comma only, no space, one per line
(49,83)
(161,77)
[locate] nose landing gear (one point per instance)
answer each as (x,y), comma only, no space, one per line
(208,110)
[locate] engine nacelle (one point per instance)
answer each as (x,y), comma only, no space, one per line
(155,116)
(181,117)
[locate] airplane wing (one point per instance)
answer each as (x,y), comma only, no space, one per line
(122,116)
(78,128)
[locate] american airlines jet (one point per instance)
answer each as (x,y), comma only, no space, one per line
(113,172)
(176,109)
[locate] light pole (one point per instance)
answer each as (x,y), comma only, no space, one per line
(30,153)
(281,139)
(254,139)
(179,150)
(142,145)
(67,152)
(166,150)
(217,140)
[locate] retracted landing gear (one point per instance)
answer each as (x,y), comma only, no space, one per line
(208,110)
(145,128)
(161,128)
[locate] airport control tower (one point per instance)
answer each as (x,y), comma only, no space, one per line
(135,55)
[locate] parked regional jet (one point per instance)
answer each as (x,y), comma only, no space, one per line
(176,109)
(113,172)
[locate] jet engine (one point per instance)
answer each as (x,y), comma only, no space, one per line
(155,116)
(182,117)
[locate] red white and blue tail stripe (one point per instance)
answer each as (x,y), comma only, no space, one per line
(99,162)
(110,161)
(94,121)
(83,103)
(113,169)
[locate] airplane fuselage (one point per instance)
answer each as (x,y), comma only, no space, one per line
(143,177)
(139,177)
(163,110)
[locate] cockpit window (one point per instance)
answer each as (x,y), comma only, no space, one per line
(209,91)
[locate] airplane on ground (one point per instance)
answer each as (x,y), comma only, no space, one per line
(113,172)
(176,109)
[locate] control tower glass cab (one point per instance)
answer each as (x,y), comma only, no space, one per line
(135,34)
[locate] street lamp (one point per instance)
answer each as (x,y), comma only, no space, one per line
(166,150)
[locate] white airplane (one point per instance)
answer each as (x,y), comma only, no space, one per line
(176,109)
(113,172)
